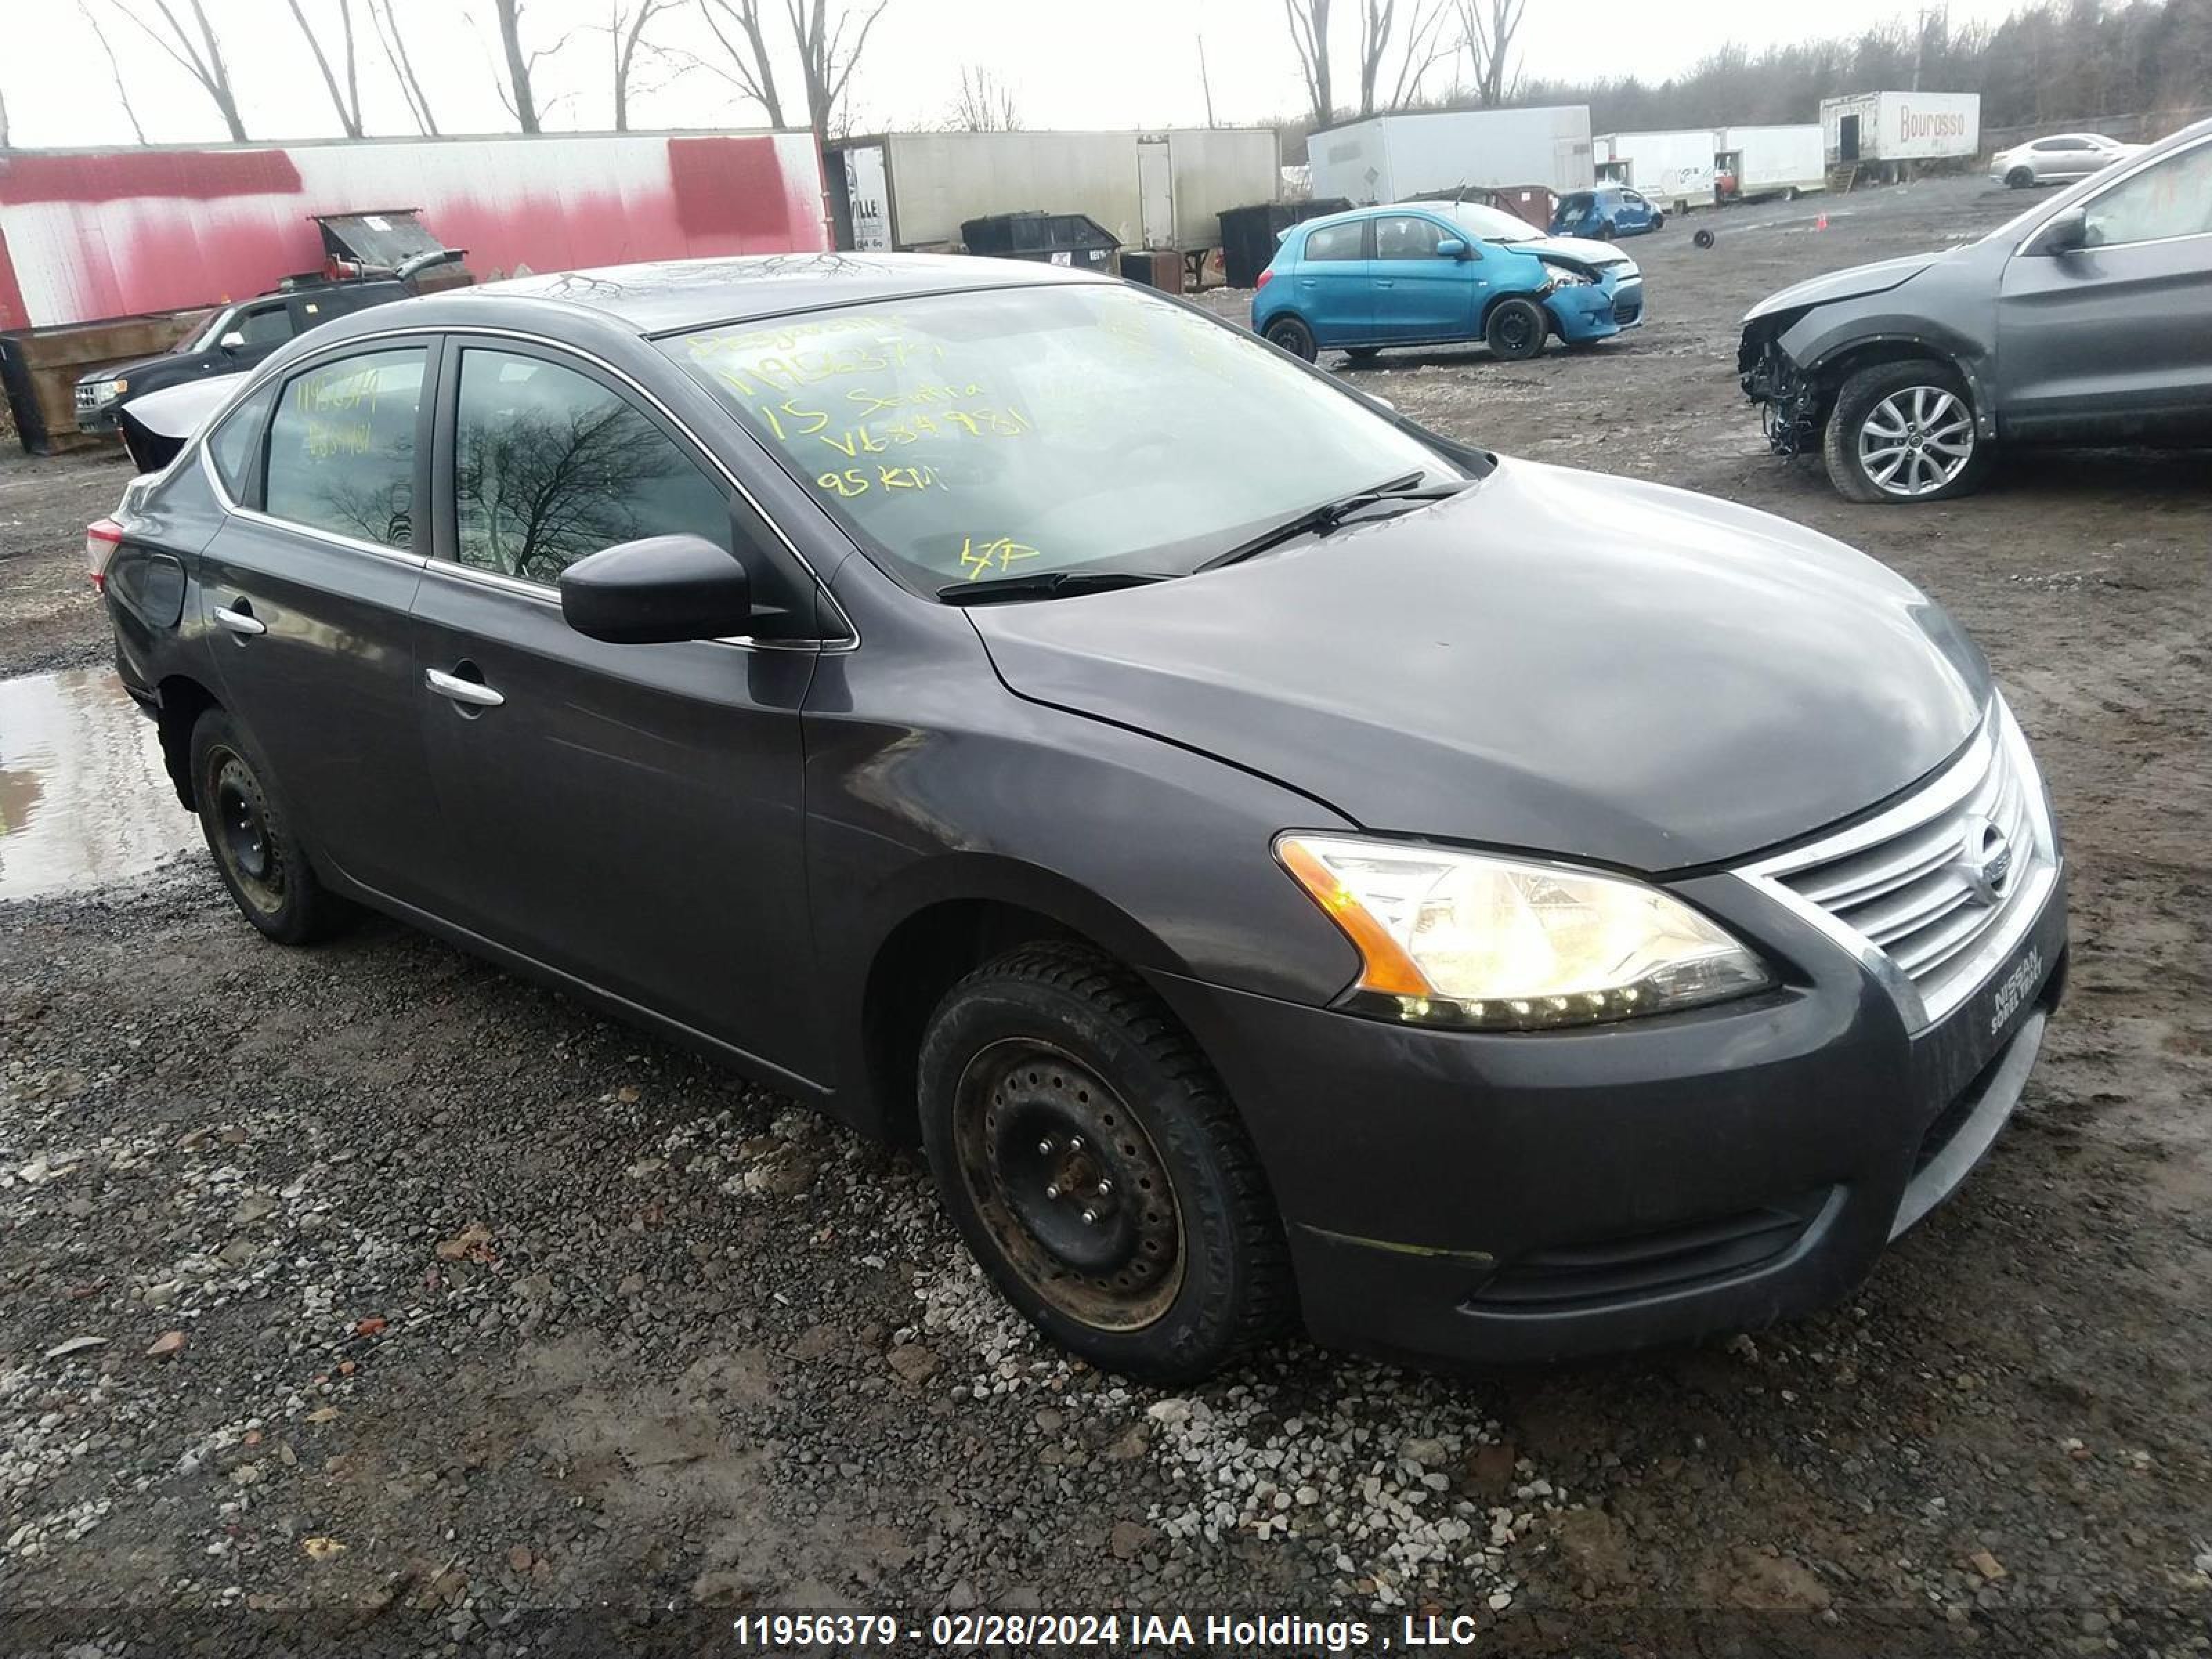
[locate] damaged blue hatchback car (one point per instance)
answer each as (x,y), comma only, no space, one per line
(1428,273)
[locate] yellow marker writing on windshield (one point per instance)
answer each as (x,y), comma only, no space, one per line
(1002,553)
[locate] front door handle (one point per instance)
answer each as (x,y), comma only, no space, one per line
(475,693)
(240,620)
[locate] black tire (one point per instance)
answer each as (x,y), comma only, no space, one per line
(1658,221)
(1703,236)
(1293,336)
(2020,179)
(1180,1265)
(1515,329)
(1362,355)
(1926,405)
(260,858)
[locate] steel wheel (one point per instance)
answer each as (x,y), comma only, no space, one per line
(1916,440)
(253,856)
(1071,1188)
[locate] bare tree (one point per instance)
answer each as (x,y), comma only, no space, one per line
(1490,26)
(3,118)
(1425,45)
(403,67)
(985,103)
(200,58)
(518,90)
(627,21)
(1308,20)
(751,71)
(829,49)
(114,69)
(346,101)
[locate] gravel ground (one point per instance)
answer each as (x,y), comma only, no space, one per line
(372,1282)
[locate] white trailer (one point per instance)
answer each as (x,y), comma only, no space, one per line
(1162,189)
(1759,161)
(1884,128)
(1673,169)
(1395,158)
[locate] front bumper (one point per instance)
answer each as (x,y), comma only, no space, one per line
(1595,311)
(1483,1198)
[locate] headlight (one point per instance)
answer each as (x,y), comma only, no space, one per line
(1462,939)
(1562,277)
(106,392)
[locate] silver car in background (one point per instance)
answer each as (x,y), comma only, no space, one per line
(2087,319)
(2060,158)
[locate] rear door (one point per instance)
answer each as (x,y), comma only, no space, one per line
(304,592)
(1420,293)
(2113,340)
(1333,283)
(628,815)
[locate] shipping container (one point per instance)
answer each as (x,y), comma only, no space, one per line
(1395,158)
(86,234)
(1673,170)
(1899,126)
(1166,189)
(1756,161)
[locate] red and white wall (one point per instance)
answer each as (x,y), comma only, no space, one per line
(87,235)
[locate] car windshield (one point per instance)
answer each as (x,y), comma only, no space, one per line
(203,339)
(1491,224)
(1024,432)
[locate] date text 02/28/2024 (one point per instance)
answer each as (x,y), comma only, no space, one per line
(1103,1632)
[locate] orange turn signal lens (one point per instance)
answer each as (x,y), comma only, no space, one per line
(1385,967)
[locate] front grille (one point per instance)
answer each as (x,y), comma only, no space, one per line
(1627,307)
(1648,1264)
(1942,885)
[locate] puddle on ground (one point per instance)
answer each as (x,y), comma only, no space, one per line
(83,796)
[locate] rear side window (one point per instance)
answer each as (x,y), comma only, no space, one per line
(1335,241)
(233,445)
(2174,198)
(550,465)
(342,447)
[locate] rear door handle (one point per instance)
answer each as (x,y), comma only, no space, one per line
(475,693)
(240,620)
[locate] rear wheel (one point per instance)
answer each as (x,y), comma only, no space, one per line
(1086,1153)
(2019,178)
(1293,336)
(1516,329)
(260,859)
(1903,432)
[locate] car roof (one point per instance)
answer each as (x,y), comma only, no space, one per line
(1355,215)
(674,295)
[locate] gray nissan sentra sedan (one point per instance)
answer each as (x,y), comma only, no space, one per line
(1282,865)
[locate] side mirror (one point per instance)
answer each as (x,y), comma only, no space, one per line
(658,591)
(233,341)
(2067,233)
(1452,248)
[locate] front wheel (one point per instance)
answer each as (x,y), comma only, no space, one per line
(1293,336)
(260,858)
(1903,432)
(1516,329)
(2019,179)
(1658,221)
(1087,1155)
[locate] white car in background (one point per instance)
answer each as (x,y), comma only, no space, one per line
(2060,158)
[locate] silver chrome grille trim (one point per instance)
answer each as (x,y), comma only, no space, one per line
(1899,890)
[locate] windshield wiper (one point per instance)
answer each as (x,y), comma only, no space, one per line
(1045,584)
(1330,514)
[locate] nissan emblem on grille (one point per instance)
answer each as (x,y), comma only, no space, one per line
(1985,859)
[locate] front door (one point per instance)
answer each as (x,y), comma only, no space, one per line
(2113,340)
(1847,138)
(307,589)
(1333,283)
(1420,293)
(628,815)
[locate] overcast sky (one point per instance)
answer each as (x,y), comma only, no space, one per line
(1100,63)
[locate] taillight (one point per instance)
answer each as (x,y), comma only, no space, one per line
(101,538)
(1266,277)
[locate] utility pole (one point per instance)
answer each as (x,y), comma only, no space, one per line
(1205,85)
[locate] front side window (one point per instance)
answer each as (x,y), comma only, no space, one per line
(268,325)
(1023,431)
(2172,199)
(550,465)
(1335,241)
(1406,238)
(342,447)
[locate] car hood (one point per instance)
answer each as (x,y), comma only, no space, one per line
(1581,249)
(1554,660)
(1848,283)
(136,365)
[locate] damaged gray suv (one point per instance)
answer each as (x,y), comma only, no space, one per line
(2086,320)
